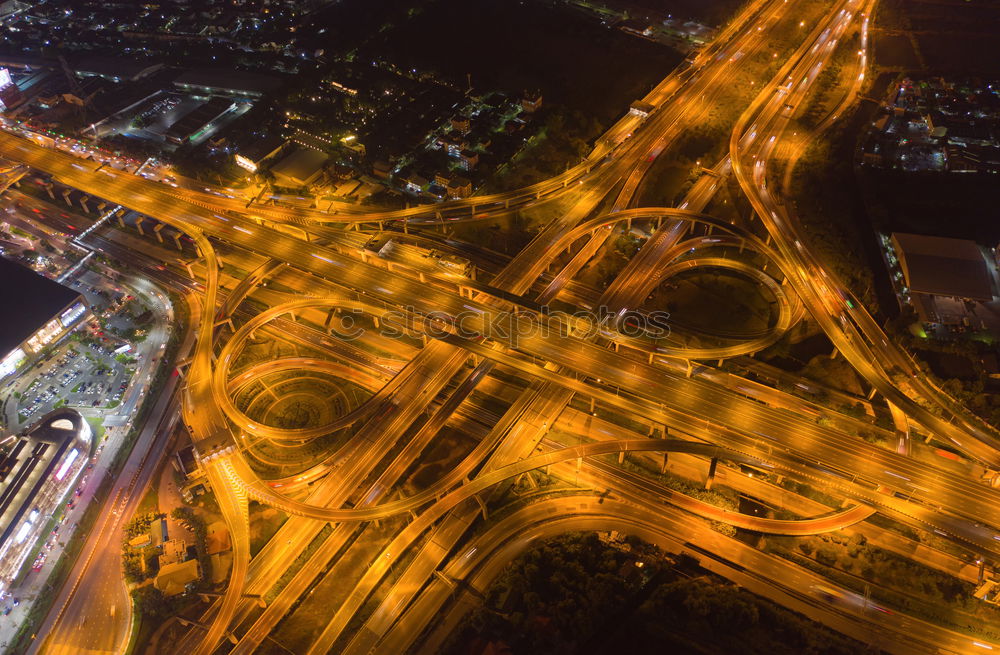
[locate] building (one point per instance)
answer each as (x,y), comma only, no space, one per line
(195,123)
(254,154)
(172,552)
(941,274)
(459,187)
(641,108)
(636,26)
(231,83)
(10,94)
(531,101)
(174,578)
(39,312)
(299,168)
(461,124)
(468,159)
(116,69)
(37,469)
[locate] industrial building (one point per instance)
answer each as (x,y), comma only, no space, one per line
(200,120)
(229,83)
(300,168)
(37,469)
(39,312)
(941,274)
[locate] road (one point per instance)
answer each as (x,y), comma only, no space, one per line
(627,378)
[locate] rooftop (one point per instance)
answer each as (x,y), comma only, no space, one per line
(300,167)
(943,267)
(173,578)
(30,300)
(228,81)
(118,68)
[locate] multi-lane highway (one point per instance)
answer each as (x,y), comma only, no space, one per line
(557,362)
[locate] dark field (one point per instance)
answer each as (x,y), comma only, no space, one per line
(951,35)
(895,51)
(507,46)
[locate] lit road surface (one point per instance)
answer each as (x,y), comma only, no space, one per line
(92,613)
(627,379)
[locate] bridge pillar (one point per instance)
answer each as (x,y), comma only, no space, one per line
(711,473)
(48,189)
(177,240)
(138,224)
(65,195)
(121,220)
(157,229)
(482,505)
(445,579)
(663,463)
(83,203)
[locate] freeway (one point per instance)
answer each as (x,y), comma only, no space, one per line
(468,574)
(526,275)
(576,365)
(740,413)
(845,321)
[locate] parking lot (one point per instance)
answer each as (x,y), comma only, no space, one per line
(88,370)
(75,374)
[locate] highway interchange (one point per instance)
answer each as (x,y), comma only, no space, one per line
(624,375)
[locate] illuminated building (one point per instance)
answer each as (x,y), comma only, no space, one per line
(256,153)
(10,95)
(38,312)
(37,469)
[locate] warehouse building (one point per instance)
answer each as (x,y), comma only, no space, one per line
(942,275)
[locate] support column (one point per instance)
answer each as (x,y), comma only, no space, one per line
(711,473)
